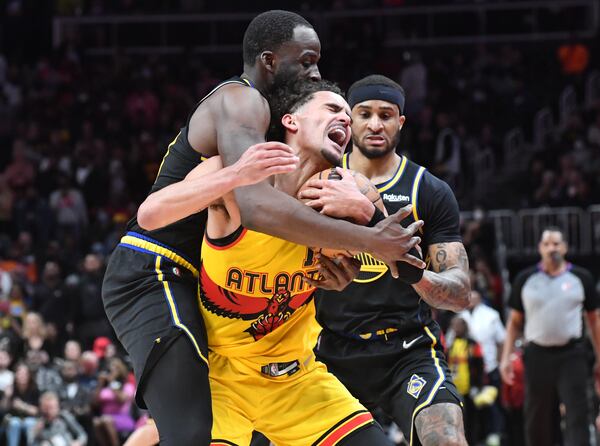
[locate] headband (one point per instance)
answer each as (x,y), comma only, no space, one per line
(376,92)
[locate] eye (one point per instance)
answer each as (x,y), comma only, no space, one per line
(364,115)
(306,64)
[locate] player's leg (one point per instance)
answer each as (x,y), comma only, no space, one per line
(369,436)
(441,424)
(318,410)
(572,391)
(176,391)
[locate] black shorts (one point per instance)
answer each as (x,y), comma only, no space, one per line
(401,375)
(150,295)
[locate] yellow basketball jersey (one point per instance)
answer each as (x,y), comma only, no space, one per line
(253,300)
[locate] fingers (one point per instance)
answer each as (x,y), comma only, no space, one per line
(393,270)
(344,173)
(310,194)
(414,227)
(315,183)
(414,261)
(402,213)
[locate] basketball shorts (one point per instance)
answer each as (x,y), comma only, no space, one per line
(402,374)
(150,295)
(305,406)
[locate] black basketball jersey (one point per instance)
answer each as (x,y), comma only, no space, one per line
(375,300)
(183,236)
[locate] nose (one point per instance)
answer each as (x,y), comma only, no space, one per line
(344,118)
(375,124)
(314,74)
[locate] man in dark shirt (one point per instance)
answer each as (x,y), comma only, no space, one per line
(378,335)
(546,304)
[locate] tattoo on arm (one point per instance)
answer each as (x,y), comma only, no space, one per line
(447,285)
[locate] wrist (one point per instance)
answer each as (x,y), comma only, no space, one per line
(365,213)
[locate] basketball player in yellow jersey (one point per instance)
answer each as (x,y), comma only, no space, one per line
(256,295)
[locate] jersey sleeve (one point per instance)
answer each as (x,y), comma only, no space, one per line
(515,301)
(438,208)
(590,301)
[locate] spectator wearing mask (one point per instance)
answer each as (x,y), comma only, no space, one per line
(56,427)
(75,397)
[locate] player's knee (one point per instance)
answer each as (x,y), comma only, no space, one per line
(450,436)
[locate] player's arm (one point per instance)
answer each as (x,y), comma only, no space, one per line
(209,181)
(242,119)
(446,286)
(514,328)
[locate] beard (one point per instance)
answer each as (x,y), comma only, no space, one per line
(283,78)
(377,153)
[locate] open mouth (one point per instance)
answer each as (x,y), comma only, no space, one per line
(338,135)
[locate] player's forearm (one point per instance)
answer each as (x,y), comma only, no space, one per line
(448,290)
(265,209)
(180,200)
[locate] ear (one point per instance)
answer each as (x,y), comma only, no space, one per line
(267,59)
(289,123)
(401,120)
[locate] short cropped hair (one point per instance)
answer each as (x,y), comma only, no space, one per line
(553,228)
(268,31)
(290,98)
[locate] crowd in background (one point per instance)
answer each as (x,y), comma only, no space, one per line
(81,140)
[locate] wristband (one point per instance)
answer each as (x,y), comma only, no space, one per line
(376,218)
(408,273)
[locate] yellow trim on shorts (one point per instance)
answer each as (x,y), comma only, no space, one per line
(435,387)
(173,308)
(160,250)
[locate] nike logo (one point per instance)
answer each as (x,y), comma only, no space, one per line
(409,344)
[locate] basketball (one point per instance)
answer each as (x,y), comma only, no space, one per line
(365,186)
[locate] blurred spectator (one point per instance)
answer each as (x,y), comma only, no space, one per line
(50,298)
(513,400)
(113,397)
(20,174)
(89,365)
(72,351)
(414,81)
(487,330)
(46,377)
(23,406)
(88,309)
(7,379)
(465,360)
(56,427)
(69,208)
(74,397)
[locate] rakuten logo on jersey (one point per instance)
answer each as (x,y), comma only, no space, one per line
(393,198)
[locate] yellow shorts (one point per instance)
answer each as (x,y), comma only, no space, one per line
(309,407)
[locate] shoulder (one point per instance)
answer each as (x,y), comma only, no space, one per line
(582,273)
(525,274)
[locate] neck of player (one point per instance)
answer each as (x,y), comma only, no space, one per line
(554,268)
(310,163)
(378,170)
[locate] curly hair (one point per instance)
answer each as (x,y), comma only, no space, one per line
(290,98)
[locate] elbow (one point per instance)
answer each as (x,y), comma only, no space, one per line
(465,301)
(148,216)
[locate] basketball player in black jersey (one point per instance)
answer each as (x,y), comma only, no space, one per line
(150,287)
(378,335)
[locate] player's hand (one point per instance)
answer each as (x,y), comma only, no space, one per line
(335,274)
(338,198)
(262,160)
(506,372)
(392,242)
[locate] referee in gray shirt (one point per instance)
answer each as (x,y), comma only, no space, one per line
(547,303)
